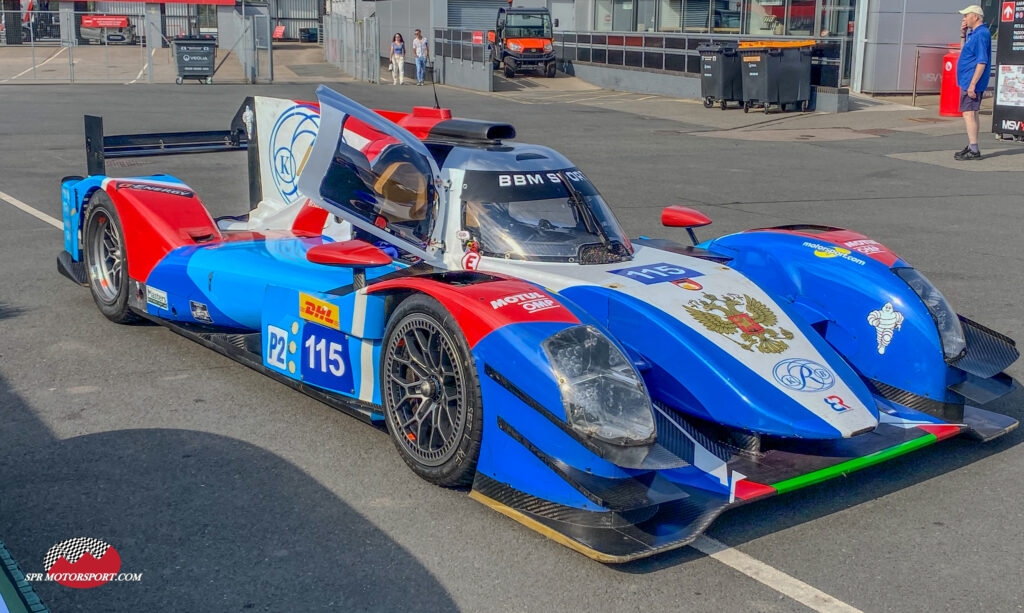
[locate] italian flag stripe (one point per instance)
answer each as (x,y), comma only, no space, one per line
(855,464)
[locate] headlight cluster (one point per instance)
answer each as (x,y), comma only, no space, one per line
(515,46)
(602,393)
(548,47)
(951,333)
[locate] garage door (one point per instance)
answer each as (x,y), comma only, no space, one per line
(474,14)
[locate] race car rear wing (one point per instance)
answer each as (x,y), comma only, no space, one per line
(99,146)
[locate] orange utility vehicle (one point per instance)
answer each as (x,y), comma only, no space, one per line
(522,39)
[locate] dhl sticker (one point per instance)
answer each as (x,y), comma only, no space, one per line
(318,311)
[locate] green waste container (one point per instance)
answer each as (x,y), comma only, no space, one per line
(776,73)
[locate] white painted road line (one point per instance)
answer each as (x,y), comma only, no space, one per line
(29,69)
(18,204)
(773,578)
(736,560)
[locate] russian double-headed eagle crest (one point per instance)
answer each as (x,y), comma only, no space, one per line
(756,323)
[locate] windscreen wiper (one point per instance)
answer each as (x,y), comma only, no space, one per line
(577,199)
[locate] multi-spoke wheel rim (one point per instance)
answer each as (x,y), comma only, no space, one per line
(425,388)
(107,252)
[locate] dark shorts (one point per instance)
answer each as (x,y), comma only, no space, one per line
(968,104)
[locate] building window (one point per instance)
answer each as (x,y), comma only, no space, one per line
(696,15)
(645,18)
(726,18)
(801,18)
(603,16)
(622,15)
(766,17)
(671,16)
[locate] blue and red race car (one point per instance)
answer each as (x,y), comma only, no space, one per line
(479,300)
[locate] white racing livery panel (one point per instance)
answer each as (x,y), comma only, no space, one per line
(721,305)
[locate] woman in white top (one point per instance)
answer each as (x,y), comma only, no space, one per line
(397,60)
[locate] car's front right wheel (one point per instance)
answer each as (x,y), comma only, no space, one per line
(106,261)
(431,393)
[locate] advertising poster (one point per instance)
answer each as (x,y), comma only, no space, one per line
(1008,110)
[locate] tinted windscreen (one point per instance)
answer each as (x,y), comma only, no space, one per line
(550,215)
(528,26)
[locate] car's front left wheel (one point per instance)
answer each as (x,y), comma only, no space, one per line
(106,261)
(431,393)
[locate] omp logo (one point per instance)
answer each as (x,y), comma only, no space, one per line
(1013,124)
(531,302)
(865,246)
(825,251)
(318,311)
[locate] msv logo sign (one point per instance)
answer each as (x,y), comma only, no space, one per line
(802,375)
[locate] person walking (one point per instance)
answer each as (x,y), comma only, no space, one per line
(422,50)
(972,74)
(398,60)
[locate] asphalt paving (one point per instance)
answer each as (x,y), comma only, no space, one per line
(231,492)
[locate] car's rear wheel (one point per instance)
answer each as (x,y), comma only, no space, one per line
(106,260)
(431,393)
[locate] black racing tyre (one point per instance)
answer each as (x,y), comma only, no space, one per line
(549,70)
(746,107)
(708,102)
(106,261)
(722,104)
(510,72)
(431,393)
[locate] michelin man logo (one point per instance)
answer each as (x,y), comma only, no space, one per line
(886,321)
(290,141)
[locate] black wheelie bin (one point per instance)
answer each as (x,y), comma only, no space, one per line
(721,77)
(776,73)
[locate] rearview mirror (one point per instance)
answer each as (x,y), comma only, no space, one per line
(677,216)
(355,254)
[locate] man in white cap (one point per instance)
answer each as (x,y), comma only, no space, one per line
(972,74)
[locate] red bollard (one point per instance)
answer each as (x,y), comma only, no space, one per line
(949,95)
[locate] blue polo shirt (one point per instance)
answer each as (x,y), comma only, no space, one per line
(977,50)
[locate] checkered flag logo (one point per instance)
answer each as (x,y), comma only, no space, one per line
(73,549)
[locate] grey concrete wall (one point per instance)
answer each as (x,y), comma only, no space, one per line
(893,30)
(677,86)
(464,73)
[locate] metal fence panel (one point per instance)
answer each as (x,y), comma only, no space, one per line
(352,46)
(59,46)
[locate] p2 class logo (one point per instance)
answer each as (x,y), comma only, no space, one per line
(802,375)
(82,562)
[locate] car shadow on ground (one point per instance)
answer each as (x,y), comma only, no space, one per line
(761,518)
(211,522)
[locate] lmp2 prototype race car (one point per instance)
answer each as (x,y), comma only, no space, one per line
(479,300)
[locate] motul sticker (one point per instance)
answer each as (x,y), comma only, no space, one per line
(531,302)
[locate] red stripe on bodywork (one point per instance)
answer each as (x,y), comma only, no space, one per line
(941,431)
(155,223)
(311,218)
(748,490)
(847,239)
(420,121)
(482,308)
